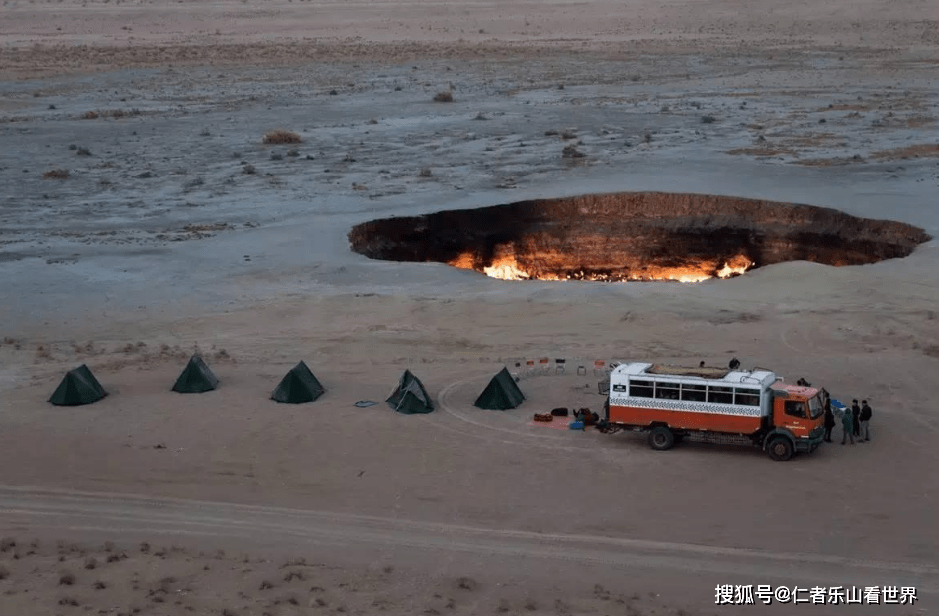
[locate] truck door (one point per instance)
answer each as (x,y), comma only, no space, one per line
(795,417)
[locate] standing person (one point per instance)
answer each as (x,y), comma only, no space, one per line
(847,425)
(829,420)
(856,415)
(865,418)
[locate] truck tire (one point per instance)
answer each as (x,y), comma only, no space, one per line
(661,438)
(779,448)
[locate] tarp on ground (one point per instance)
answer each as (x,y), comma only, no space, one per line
(196,378)
(501,393)
(298,386)
(79,386)
(410,397)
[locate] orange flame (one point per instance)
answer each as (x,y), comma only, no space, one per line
(508,268)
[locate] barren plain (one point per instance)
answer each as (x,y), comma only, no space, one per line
(142,217)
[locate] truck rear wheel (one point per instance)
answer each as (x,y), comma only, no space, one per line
(661,438)
(779,449)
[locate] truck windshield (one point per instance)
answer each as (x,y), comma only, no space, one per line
(815,407)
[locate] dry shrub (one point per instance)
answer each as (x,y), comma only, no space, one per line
(276,137)
(99,585)
(571,152)
(66,579)
(56,174)
(465,583)
(91,562)
(7,543)
(4,573)
(443,97)
(90,115)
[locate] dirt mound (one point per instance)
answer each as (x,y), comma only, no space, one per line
(634,236)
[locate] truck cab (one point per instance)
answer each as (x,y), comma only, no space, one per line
(797,421)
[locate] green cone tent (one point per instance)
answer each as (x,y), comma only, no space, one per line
(410,397)
(78,387)
(502,393)
(196,378)
(298,386)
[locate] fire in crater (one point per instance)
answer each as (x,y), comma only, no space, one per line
(634,237)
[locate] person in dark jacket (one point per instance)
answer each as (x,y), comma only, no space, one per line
(734,364)
(865,418)
(856,416)
(829,420)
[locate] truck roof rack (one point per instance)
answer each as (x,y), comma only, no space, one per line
(705,373)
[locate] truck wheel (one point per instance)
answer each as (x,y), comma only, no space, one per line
(661,438)
(779,449)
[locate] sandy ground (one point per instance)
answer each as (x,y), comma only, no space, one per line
(178,230)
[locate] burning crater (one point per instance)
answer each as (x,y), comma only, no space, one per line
(634,236)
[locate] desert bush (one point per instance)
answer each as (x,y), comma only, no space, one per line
(708,119)
(99,585)
(445,96)
(7,543)
(83,152)
(266,585)
(571,152)
(145,547)
(465,583)
(69,601)
(426,172)
(91,562)
(4,573)
(249,170)
(66,579)
(56,174)
(90,115)
(294,575)
(276,137)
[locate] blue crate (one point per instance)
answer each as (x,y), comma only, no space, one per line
(576,425)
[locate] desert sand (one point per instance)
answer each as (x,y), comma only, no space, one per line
(176,229)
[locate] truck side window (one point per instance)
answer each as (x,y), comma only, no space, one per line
(795,408)
(747,397)
(640,389)
(721,395)
(694,393)
(666,391)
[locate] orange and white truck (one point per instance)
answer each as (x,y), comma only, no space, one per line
(714,404)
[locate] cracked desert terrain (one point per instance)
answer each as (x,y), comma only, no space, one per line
(143,217)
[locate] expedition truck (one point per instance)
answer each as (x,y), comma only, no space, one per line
(714,404)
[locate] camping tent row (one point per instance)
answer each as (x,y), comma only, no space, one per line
(79,386)
(410,397)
